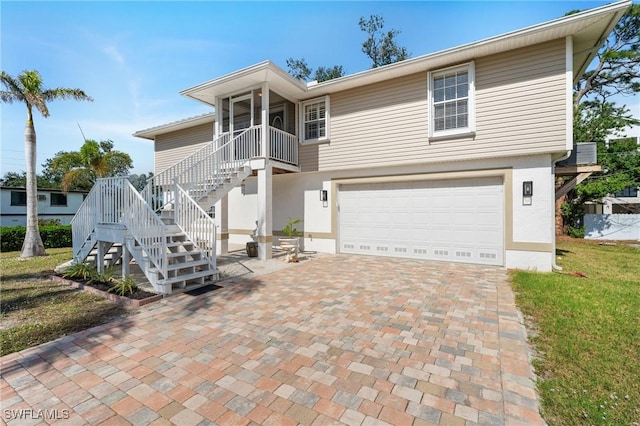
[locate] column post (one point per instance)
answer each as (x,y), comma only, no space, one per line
(265,225)
(223,236)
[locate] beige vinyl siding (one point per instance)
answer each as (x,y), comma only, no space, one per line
(174,146)
(520,108)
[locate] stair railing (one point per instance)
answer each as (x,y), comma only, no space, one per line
(114,201)
(83,224)
(199,227)
(145,226)
(211,171)
(158,192)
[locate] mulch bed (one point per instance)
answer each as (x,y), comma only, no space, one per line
(137,299)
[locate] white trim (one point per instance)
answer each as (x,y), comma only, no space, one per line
(471,103)
(569,91)
(327,107)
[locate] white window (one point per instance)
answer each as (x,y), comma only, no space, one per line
(315,120)
(452,101)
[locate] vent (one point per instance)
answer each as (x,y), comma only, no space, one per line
(488,256)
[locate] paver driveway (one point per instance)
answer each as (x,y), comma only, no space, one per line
(339,339)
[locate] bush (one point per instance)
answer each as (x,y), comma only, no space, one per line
(104,277)
(576,232)
(53,236)
(124,287)
(82,271)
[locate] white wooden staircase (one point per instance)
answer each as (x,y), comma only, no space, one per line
(165,228)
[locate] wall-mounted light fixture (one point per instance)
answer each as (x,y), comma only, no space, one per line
(323,195)
(527,193)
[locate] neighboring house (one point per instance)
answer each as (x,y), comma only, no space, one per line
(626,201)
(448,156)
(53,204)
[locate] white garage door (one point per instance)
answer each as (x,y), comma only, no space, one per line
(457,220)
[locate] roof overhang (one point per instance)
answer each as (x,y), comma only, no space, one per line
(279,81)
(588,30)
(152,132)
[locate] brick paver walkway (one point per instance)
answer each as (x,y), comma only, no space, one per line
(337,340)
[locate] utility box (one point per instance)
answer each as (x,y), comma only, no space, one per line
(583,153)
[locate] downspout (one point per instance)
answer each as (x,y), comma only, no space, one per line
(563,157)
(568,132)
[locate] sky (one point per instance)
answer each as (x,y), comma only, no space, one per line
(134,57)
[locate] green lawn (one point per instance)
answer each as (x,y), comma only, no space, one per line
(586,332)
(34,309)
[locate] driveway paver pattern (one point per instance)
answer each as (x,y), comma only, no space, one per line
(340,339)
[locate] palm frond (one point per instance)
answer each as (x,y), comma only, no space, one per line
(15,90)
(66,93)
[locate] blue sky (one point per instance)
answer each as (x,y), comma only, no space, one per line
(134,58)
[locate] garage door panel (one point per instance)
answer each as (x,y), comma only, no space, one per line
(457,220)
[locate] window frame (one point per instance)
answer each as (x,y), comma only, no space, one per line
(51,197)
(470,129)
(327,119)
(18,204)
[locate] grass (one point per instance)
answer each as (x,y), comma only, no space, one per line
(586,333)
(35,310)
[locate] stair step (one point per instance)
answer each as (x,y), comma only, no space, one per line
(192,276)
(185,244)
(191,253)
(185,265)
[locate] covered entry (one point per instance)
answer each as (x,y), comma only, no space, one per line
(459,220)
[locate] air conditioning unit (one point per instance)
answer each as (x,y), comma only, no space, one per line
(583,153)
(42,197)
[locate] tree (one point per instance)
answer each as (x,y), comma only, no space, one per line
(140,181)
(15,179)
(615,71)
(27,88)
(616,66)
(381,47)
(300,70)
(79,169)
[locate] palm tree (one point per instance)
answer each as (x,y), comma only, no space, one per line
(79,169)
(27,88)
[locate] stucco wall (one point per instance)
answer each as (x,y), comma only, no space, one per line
(528,228)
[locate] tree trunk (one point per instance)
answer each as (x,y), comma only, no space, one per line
(32,245)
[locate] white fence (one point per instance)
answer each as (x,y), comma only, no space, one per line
(612,226)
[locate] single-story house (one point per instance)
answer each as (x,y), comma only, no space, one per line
(53,204)
(448,156)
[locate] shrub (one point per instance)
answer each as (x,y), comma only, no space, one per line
(80,270)
(125,286)
(104,277)
(53,236)
(576,232)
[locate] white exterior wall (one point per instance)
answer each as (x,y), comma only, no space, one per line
(17,215)
(528,228)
